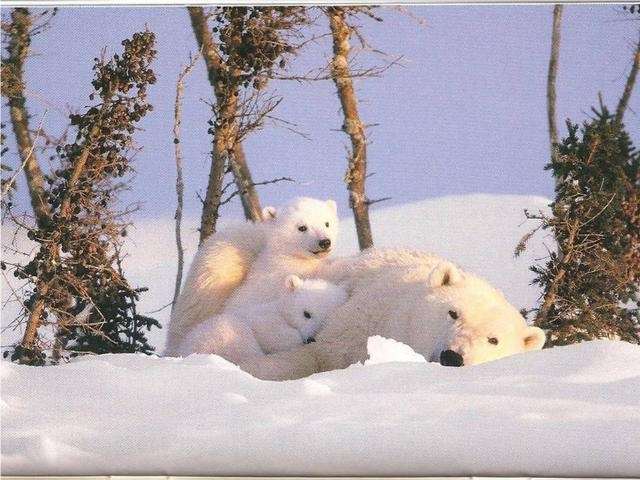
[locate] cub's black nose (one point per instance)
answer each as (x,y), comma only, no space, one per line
(325,243)
(449,358)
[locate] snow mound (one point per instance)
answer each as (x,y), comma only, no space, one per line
(570,411)
(385,350)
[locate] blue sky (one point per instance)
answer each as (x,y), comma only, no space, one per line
(465,113)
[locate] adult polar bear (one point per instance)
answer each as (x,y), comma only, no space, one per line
(249,263)
(443,313)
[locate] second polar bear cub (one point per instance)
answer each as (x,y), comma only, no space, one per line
(276,326)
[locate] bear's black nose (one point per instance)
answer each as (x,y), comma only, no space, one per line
(449,358)
(325,243)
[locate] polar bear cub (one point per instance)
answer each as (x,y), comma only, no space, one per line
(276,326)
(298,240)
(247,263)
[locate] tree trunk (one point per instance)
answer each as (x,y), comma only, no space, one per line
(18,50)
(211,205)
(227,147)
(35,315)
(245,185)
(353,126)
(628,88)
(551,78)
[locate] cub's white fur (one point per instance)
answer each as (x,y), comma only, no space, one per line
(276,326)
(247,263)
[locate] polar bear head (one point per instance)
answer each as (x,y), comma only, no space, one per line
(307,303)
(445,314)
(477,323)
(306,228)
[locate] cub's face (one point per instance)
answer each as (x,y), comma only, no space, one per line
(479,324)
(309,302)
(306,228)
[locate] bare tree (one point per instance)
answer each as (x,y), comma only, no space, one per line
(357,168)
(19,32)
(224,128)
(551,77)
(177,122)
(241,51)
(628,88)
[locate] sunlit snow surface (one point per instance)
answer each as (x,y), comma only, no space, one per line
(571,411)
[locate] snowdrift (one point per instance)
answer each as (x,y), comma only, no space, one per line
(571,411)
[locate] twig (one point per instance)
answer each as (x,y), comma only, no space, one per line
(177,122)
(255,184)
(377,200)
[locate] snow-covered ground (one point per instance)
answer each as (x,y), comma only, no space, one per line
(572,411)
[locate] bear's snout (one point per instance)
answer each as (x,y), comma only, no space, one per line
(325,243)
(449,358)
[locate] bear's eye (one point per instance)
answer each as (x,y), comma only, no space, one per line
(453,314)
(302,228)
(326,224)
(492,340)
(306,314)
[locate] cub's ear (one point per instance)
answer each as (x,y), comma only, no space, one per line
(293,282)
(269,213)
(534,338)
(333,205)
(444,274)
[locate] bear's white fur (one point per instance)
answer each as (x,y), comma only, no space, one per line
(413,298)
(247,263)
(294,246)
(276,326)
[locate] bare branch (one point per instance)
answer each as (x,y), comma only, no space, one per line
(628,88)
(551,78)
(177,122)
(6,186)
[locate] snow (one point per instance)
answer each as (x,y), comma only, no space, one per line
(570,411)
(384,350)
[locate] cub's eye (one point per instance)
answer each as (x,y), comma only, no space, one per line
(453,314)
(326,224)
(492,340)
(306,314)
(302,228)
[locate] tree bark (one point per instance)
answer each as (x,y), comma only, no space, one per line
(628,88)
(353,126)
(227,149)
(245,184)
(551,78)
(19,41)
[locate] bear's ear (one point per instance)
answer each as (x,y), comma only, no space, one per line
(269,213)
(444,274)
(534,338)
(293,282)
(333,205)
